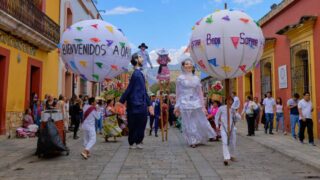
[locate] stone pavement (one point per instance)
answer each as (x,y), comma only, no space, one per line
(285,144)
(158,160)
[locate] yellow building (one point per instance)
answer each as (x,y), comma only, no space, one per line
(29,34)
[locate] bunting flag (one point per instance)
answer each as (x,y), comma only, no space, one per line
(125,69)
(218,10)
(99,64)
(73,65)
(245,20)
(83,77)
(66,42)
(198,22)
(257,23)
(95,40)
(95,26)
(226,18)
(83,63)
(193,28)
(226,69)
(243,68)
(235,41)
(79,28)
(209,20)
(109,43)
(78,40)
(213,62)
(121,31)
(114,67)
(110,28)
(95,76)
(122,44)
(59,45)
(201,64)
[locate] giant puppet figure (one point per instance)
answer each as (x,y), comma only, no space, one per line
(163,60)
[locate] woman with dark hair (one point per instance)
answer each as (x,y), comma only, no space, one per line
(248,112)
(279,116)
(190,105)
(111,126)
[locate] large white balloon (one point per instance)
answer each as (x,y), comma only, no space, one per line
(226,44)
(95,50)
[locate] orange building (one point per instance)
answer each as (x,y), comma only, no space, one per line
(291,59)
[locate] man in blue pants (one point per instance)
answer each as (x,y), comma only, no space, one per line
(138,103)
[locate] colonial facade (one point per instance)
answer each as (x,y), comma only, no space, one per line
(29,34)
(291,59)
(73,11)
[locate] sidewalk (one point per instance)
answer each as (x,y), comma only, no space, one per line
(15,150)
(284,144)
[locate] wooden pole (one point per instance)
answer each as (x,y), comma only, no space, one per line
(168,106)
(161,120)
(227,81)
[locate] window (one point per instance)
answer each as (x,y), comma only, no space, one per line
(266,76)
(300,73)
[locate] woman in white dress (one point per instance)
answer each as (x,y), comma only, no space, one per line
(190,105)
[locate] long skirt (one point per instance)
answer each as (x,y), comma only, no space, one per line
(195,127)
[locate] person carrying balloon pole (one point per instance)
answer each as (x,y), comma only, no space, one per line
(228,138)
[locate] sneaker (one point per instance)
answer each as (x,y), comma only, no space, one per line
(156,135)
(233,159)
(225,162)
(139,146)
(150,132)
(285,133)
(271,133)
(312,144)
(132,147)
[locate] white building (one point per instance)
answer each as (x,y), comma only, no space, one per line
(72,11)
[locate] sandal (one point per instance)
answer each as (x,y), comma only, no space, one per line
(84,155)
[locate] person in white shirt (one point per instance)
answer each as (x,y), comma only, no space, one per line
(228,142)
(249,111)
(305,116)
(88,126)
(236,101)
(279,116)
(269,106)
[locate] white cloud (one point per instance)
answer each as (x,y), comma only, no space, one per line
(247,2)
(121,10)
(176,55)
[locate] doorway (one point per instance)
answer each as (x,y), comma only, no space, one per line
(4,68)
(34,81)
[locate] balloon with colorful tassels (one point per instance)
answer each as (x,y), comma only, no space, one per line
(95,50)
(226,44)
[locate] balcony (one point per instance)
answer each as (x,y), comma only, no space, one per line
(23,19)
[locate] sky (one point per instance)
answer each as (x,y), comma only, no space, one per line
(167,23)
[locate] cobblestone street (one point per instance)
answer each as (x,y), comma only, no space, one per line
(169,160)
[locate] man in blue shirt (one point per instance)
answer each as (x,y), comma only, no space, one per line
(138,103)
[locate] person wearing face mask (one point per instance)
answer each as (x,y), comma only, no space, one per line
(190,106)
(138,103)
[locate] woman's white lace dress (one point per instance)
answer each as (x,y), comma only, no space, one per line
(195,126)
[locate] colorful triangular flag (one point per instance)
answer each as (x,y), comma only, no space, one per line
(79,28)
(114,67)
(125,69)
(245,20)
(198,22)
(95,26)
(99,64)
(193,27)
(73,65)
(226,69)
(213,62)
(66,42)
(243,68)
(121,31)
(95,40)
(83,63)
(78,40)
(83,77)
(209,20)
(235,41)
(110,28)
(109,42)
(122,44)
(95,76)
(226,18)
